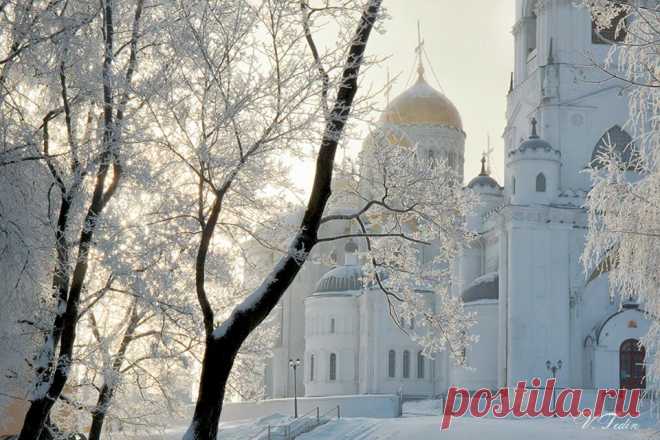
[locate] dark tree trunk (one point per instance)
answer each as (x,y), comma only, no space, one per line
(39,410)
(50,431)
(108,389)
(98,416)
(222,345)
(218,362)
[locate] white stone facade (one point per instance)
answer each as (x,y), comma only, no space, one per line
(522,275)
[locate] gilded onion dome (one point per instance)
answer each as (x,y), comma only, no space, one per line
(420,105)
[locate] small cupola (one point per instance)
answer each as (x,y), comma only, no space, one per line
(533,170)
(489,193)
(484,183)
(345,279)
(533,144)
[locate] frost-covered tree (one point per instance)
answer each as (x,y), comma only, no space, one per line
(136,336)
(624,204)
(250,89)
(151,142)
(247,95)
(409,211)
(69,73)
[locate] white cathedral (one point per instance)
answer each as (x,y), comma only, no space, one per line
(522,275)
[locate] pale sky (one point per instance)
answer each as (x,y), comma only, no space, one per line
(470,47)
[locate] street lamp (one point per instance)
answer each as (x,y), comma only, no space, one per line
(295,364)
(554,369)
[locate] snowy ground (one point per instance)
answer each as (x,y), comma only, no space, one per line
(465,428)
(421,420)
(239,430)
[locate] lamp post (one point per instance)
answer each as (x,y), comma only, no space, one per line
(295,364)
(554,369)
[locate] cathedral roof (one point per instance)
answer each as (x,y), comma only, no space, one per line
(484,287)
(341,279)
(422,104)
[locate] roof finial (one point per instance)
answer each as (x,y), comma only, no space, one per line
(483,165)
(350,256)
(488,153)
(419,50)
(551,59)
(534,134)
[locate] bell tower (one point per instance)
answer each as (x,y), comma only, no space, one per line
(560,104)
(557,79)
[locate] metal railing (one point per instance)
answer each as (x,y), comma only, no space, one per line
(305,423)
(329,414)
(264,433)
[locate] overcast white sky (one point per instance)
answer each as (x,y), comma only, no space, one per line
(470,47)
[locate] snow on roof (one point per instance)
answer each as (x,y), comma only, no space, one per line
(482,288)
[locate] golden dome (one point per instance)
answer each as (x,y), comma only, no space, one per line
(422,104)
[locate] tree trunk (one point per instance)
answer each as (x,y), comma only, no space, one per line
(98,416)
(217,364)
(108,388)
(39,410)
(47,433)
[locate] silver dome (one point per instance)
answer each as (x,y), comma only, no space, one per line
(485,181)
(341,279)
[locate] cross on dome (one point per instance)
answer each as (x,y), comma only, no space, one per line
(421,104)
(420,51)
(483,165)
(534,135)
(488,153)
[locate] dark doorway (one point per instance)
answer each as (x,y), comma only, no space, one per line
(632,372)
